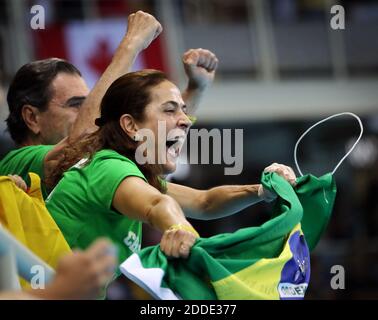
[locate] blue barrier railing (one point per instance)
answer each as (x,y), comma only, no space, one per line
(17,260)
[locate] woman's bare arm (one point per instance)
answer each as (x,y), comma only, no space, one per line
(138,200)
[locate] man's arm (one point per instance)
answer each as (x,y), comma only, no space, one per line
(200,66)
(142,29)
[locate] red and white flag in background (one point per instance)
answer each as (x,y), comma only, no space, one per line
(90,46)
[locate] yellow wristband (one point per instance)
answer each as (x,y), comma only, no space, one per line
(181,226)
(193,119)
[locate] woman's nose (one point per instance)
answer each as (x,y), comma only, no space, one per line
(184,120)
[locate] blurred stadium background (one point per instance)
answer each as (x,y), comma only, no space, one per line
(282,67)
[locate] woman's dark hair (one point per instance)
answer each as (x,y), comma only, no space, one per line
(129,94)
(32,85)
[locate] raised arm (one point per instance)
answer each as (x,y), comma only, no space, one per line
(138,200)
(200,66)
(224,201)
(142,29)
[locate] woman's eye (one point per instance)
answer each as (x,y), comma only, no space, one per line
(170,111)
(75,105)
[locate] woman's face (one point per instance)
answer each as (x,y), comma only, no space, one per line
(165,117)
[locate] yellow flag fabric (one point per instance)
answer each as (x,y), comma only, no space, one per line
(26,217)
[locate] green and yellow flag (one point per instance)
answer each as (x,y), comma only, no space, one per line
(271,261)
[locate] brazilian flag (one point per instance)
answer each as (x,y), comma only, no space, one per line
(271,261)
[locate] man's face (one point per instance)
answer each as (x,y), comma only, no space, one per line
(68,94)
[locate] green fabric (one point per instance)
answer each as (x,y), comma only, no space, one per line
(24,160)
(316,195)
(81,203)
(251,252)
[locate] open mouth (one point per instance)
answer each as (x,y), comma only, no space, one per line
(170,143)
(174,146)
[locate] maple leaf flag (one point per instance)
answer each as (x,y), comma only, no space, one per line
(90,45)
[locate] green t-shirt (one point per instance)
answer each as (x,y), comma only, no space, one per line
(81,203)
(24,160)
